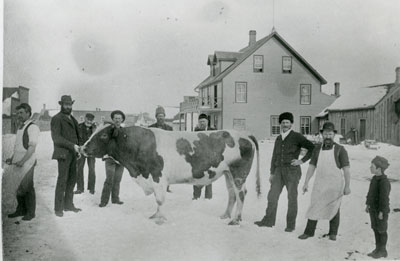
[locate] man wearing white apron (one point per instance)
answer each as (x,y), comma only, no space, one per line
(332,181)
(19,182)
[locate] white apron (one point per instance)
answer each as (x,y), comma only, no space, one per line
(13,175)
(328,188)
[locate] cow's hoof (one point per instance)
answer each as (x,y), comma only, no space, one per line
(234,223)
(225,216)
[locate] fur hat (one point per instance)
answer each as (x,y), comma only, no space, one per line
(66,99)
(329,126)
(381,162)
(286,116)
(203,116)
(118,112)
(160,110)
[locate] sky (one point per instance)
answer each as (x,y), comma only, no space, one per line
(135,55)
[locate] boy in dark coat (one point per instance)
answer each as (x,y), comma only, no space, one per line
(378,205)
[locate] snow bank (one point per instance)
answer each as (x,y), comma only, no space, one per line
(193,230)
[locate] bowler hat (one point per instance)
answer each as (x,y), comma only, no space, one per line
(89,116)
(328,126)
(66,99)
(203,116)
(286,116)
(118,112)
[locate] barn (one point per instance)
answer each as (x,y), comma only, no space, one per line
(371,112)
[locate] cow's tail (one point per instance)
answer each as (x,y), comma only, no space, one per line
(258,182)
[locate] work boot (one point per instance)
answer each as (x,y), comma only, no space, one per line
(373,252)
(102,205)
(28,217)
(380,253)
(59,213)
(304,236)
(263,222)
(78,191)
(119,202)
(289,229)
(332,237)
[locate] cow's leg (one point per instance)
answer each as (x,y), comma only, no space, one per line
(159,193)
(240,192)
(231,195)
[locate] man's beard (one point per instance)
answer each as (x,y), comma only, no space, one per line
(328,142)
(66,110)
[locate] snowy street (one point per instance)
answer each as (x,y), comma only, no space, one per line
(194,230)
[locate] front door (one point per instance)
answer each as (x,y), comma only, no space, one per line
(363,129)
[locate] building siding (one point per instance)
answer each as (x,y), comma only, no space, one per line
(271,92)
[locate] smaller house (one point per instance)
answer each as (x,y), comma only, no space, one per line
(12,97)
(368,113)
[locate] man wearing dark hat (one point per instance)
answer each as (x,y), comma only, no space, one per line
(65,135)
(332,181)
(203,126)
(160,116)
(86,129)
(114,170)
(160,124)
(285,171)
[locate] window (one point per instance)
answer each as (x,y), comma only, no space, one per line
(239,124)
(305,125)
(286,64)
(258,63)
(81,118)
(202,96)
(275,126)
(343,126)
(241,92)
(305,94)
(207,96)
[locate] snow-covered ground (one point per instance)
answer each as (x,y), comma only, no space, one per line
(193,230)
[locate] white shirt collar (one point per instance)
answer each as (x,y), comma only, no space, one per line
(285,134)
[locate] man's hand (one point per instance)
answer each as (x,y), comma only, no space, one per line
(271,178)
(305,188)
(20,163)
(346,191)
(367,209)
(9,161)
(296,162)
(77,148)
(380,215)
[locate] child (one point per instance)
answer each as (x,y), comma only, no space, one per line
(378,205)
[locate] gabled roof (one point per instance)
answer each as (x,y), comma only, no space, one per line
(8,91)
(244,53)
(360,98)
(226,56)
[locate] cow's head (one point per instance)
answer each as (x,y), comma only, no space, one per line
(102,142)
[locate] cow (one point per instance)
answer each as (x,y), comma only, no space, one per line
(156,158)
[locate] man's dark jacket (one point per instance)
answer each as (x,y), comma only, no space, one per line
(85,132)
(163,126)
(208,129)
(64,132)
(289,149)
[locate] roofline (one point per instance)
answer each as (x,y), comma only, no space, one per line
(301,59)
(371,107)
(261,42)
(22,87)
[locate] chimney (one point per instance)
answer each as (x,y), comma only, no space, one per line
(252,37)
(337,89)
(397,82)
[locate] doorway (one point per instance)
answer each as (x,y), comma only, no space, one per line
(363,129)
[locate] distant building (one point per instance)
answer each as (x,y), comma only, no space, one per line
(12,97)
(248,89)
(371,113)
